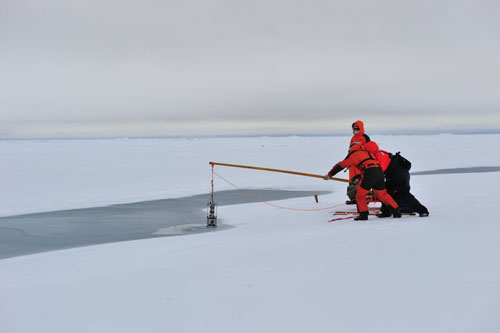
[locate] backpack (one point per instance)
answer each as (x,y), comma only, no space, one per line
(403,161)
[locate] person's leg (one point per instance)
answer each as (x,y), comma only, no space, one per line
(389,201)
(361,201)
(413,204)
(400,199)
(381,193)
(362,190)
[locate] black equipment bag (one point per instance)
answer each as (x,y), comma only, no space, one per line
(403,161)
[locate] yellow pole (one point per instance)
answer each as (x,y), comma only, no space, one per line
(277,170)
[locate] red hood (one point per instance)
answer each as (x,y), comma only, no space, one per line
(371,146)
(360,125)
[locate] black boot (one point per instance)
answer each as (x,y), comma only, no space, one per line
(363,216)
(423,213)
(384,212)
(396,212)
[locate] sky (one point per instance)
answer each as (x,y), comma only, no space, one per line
(100,68)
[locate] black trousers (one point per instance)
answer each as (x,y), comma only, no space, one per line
(398,186)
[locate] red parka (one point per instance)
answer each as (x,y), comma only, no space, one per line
(358,158)
(372,177)
(361,139)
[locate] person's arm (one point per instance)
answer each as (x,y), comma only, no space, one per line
(336,169)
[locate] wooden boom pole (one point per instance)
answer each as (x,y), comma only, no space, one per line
(277,170)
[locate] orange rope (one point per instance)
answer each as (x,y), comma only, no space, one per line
(271,204)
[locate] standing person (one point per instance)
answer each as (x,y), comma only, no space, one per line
(359,137)
(397,182)
(372,177)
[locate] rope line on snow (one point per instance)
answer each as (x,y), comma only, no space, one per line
(271,204)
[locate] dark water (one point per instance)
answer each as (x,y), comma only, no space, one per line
(457,170)
(33,233)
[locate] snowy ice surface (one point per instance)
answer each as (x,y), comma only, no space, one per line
(274,270)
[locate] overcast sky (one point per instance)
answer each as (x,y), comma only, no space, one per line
(203,67)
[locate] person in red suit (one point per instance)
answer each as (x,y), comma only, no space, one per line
(397,182)
(372,177)
(359,135)
(361,138)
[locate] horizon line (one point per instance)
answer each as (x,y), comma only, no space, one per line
(254,135)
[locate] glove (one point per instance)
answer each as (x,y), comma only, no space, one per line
(326,177)
(355,180)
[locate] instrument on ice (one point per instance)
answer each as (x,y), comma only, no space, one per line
(277,170)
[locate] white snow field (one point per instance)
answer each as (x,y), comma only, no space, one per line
(273,270)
